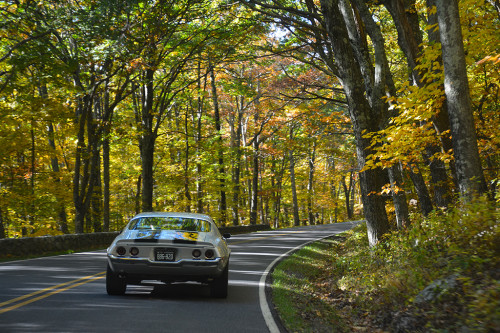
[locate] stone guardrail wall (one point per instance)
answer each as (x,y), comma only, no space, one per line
(37,246)
(243,229)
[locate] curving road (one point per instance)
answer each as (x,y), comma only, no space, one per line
(67,293)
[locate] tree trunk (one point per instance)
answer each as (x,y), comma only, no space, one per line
(107,115)
(222,173)
(286,218)
(137,197)
(382,84)
(439,177)
(255,183)
(399,196)
(353,194)
(106,180)
(96,202)
(422,192)
(456,86)
(362,116)
(310,185)
(62,219)
(199,115)
(440,119)
(263,203)
(295,208)
(409,39)
(187,193)
(147,140)
(83,181)
(3,234)
(335,195)
(347,194)
(409,36)
(31,213)
(237,168)
(94,135)
(147,147)
(277,184)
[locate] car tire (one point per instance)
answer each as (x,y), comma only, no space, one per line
(114,284)
(218,287)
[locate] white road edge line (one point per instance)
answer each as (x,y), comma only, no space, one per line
(264,306)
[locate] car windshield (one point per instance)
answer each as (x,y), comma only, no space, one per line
(170,223)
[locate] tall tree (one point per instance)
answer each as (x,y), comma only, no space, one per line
(170,38)
(363,118)
(469,171)
(222,173)
(54,161)
(327,33)
(293,185)
(410,38)
(310,183)
(2,228)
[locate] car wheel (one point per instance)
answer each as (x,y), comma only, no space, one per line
(218,287)
(114,284)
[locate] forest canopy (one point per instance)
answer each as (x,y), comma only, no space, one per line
(283,112)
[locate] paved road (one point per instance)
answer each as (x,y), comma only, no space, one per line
(67,293)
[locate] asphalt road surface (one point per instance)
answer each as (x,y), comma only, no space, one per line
(67,293)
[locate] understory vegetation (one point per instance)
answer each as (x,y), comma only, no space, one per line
(442,274)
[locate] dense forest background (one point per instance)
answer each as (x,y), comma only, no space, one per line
(275,112)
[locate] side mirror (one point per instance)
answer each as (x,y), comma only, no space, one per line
(226,235)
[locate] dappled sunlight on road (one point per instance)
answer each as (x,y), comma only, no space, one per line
(245,283)
(25,268)
(256,254)
(232,271)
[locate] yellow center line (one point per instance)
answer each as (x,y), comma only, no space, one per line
(46,289)
(55,290)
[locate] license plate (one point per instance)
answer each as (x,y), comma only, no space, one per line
(163,254)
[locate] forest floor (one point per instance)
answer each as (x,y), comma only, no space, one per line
(339,284)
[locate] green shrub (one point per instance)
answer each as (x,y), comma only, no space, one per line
(463,241)
(345,285)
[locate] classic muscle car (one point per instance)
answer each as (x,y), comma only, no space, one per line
(169,247)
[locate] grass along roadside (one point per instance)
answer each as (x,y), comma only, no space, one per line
(301,289)
(441,275)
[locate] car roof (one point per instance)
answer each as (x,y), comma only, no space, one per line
(174,214)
